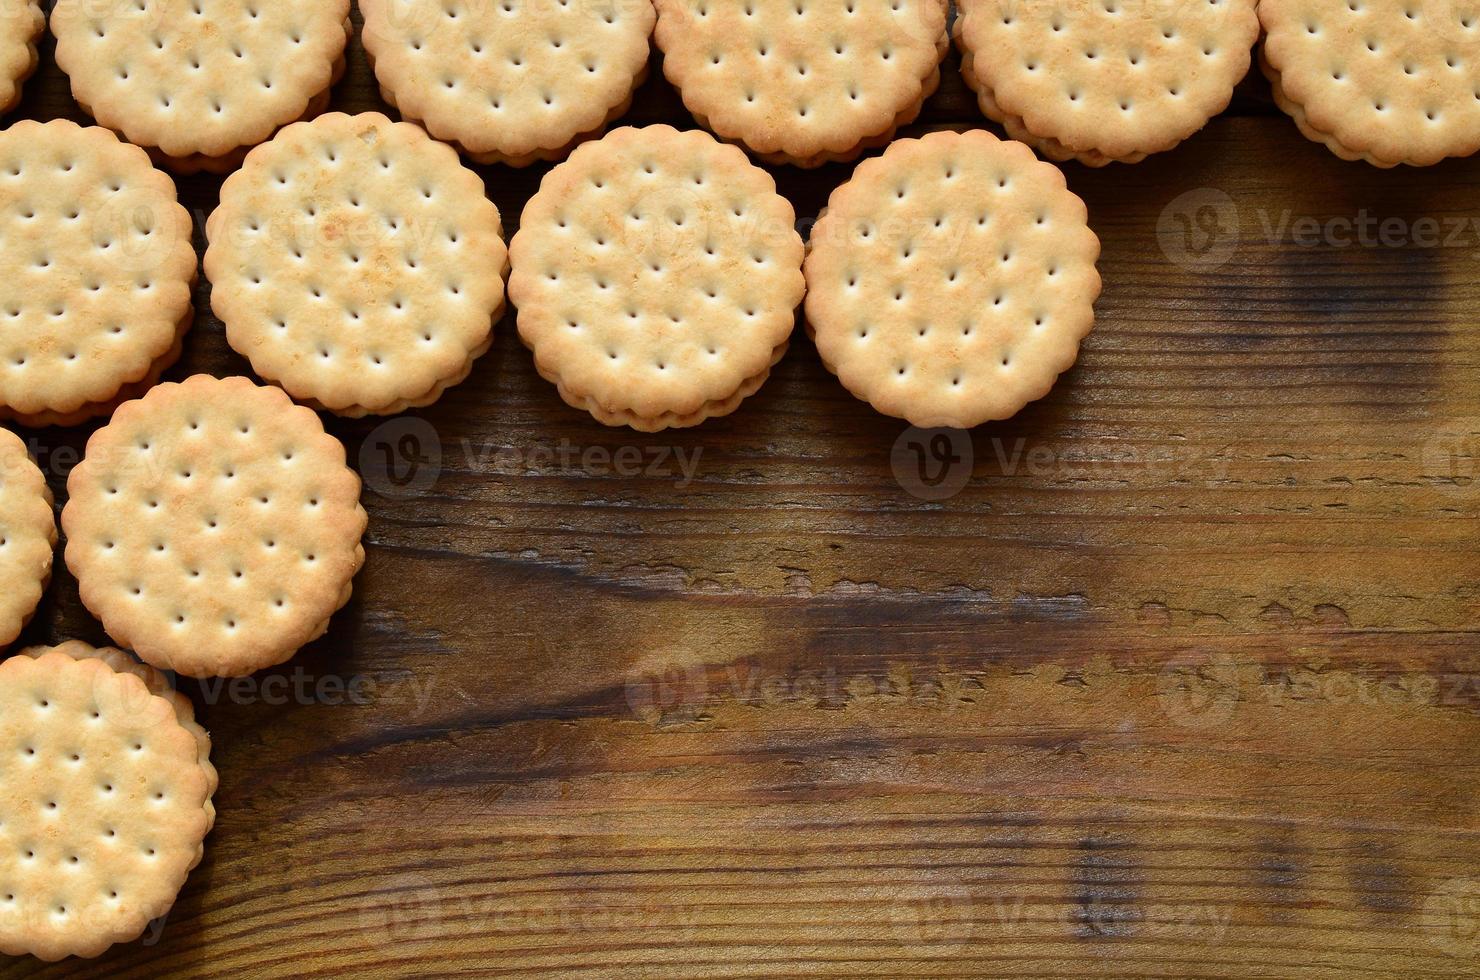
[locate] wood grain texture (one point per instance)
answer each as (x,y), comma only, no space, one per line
(1183,683)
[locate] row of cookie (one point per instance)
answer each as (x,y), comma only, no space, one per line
(198,82)
(1101,81)
(657,273)
(213,526)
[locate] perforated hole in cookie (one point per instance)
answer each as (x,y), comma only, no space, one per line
(356,192)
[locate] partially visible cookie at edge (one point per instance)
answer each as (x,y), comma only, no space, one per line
(28,536)
(804,82)
(104,808)
(1104,83)
(96,273)
(21,22)
(513,82)
(159,686)
(1388,84)
(199,82)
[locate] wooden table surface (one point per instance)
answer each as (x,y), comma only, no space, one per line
(1184,682)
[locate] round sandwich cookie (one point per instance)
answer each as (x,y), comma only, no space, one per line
(160,686)
(514,81)
(214,527)
(803,82)
(1382,82)
(21,22)
(657,275)
(199,82)
(95,276)
(1104,81)
(28,536)
(103,810)
(950,281)
(357,263)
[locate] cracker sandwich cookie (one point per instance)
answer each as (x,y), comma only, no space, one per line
(1387,83)
(509,81)
(199,82)
(950,281)
(160,686)
(28,535)
(21,21)
(803,81)
(357,263)
(95,276)
(657,275)
(214,527)
(1104,81)
(103,805)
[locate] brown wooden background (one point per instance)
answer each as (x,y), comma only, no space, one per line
(1184,683)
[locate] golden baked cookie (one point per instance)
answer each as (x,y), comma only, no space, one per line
(102,806)
(95,276)
(509,81)
(1101,81)
(357,263)
(950,281)
(1387,83)
(158,685)
(213,527)
(803,81)
(28,536)
(21,22)
(199,82)
(657,275)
